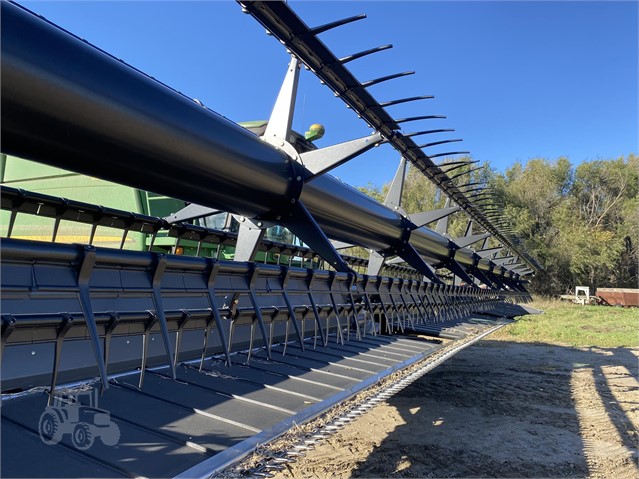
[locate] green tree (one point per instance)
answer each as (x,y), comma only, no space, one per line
(580,222)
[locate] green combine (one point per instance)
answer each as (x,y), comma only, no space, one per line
(27,175)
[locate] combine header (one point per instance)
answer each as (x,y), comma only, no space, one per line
(223,320)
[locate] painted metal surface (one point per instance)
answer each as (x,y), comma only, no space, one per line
(208,418)
(98,299)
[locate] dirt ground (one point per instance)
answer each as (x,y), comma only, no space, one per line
(497,409)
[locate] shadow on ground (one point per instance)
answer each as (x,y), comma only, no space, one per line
(501,409)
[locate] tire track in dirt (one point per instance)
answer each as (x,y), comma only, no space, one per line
(607,454)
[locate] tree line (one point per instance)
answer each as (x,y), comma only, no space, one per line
(580,221)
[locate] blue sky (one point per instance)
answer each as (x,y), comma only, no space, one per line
(516,80)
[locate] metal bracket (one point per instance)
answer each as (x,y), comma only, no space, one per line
(395,260)
(318,162)
(153,317)
(339,335)
(375,263)
(303,225)
(412,257)
(351,282)
(485,253)
(158,272)
(318,323)
(191,212)
(258,313)
(442,224)
(394,196)
(468,240)
(281,119)
(479,274)
(341,245)
(248,239)
(215,316)
(8,325)
(67,322)
(84,294)
(459,271)
(291,310)
(422,219)
(186,316)
(108,332)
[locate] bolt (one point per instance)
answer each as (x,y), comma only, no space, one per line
(299,178)
(292,200)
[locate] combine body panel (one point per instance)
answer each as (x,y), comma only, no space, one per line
(31,176)
(36,177)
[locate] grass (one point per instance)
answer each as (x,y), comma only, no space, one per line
(569,324)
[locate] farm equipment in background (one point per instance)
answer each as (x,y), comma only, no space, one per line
(618,296)
(581,296)
(625,297)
